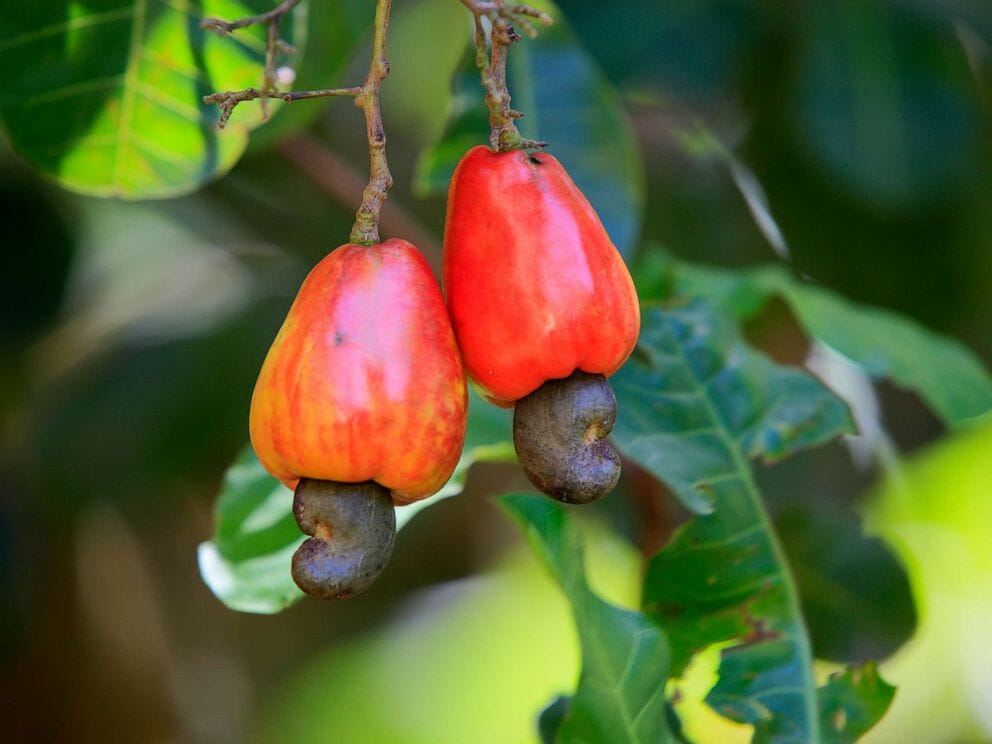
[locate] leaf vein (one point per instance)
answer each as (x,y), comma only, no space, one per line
(170,103)
(70,24)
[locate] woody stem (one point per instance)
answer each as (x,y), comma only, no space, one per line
(366,228)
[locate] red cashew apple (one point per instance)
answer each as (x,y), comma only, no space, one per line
(537,293)
(362,385)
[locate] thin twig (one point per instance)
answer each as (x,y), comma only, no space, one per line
(491,61)
(227,100)
(225,27)
(273,46)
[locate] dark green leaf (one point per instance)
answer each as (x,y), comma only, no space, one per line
(852,702)
(625,657)
(550,719)
(941,370)
(567,102)
(694,397)
(105,96)
(247,564)
(856,597)
(696,403)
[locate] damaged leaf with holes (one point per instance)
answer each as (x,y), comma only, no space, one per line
(698,405)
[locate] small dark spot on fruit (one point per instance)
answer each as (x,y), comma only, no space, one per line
(338,338)
(535,160)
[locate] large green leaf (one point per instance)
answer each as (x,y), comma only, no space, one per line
(625,656)
(942,371)
(566,101)
(696,404)
(247,564)
(855,593)
(694,397)
(105,96)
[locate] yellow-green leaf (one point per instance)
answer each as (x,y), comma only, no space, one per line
(105,96)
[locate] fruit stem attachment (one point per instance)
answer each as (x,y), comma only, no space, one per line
(491,61)
(366,228)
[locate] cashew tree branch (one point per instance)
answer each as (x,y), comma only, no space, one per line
(366,96)
(491,60)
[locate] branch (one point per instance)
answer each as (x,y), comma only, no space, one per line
(271,17)
(491,61)
(227,100)
(366,228)
(273,45)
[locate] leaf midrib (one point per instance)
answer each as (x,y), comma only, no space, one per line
(629,721)
(800,638)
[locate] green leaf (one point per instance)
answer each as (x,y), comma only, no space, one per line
(566,101)
(942,371)
(105,96)
(696,403)
(852,702)
(694,397)
(855,593)
(247,564)
(426,47)
(551,718)
(625,656)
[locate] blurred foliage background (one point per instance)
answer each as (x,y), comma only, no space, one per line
(852,136)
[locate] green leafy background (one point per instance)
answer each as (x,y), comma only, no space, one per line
(803,197)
